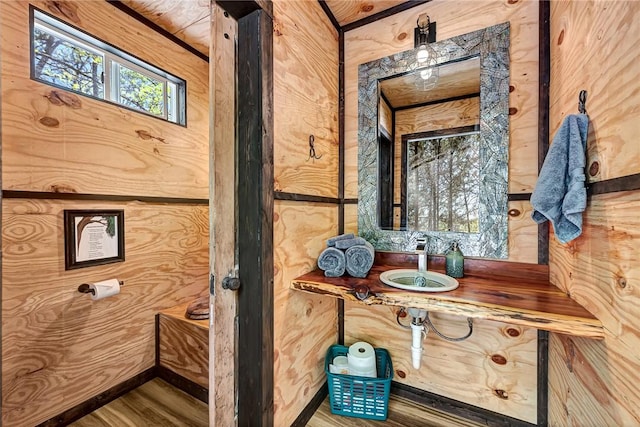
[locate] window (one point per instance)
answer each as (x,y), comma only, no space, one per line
(65,57)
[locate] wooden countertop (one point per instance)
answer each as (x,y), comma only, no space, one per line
(508,292)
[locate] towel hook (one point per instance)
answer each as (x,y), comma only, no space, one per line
(312,149)
(582,99)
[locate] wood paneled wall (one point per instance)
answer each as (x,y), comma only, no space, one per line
(347,11)
(594,47)
(394,34)
(82,145)
(60,348)
(497,364)
(305,325)
(305,103)
(305,49)
(183,345)
(446,365)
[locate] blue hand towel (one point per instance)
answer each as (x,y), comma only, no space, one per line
(347,243)
(360,259)
(560,195)
(332,262)
(332,241)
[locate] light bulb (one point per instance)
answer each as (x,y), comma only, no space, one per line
(425,74)
(423,54)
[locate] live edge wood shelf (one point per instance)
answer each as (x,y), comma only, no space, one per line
(508,292)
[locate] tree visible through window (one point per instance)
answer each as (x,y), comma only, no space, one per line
(67,64)
(67,58)
(443,184)
(139,91)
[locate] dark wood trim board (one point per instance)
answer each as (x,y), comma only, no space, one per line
(297,197)
(155,27)
(444,404)
(182,383)
(100,400)
(19,194)
(255,219)
(544,72)
(309,410)
(383,14)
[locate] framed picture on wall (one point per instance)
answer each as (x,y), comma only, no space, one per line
(93,237)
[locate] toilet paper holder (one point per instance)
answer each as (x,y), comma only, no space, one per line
(85,288)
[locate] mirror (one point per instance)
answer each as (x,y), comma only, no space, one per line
(447,183)
(440,178)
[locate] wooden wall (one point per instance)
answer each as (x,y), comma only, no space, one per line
(183,345)
(594,47)
(347,11)
(60,348)
(447,365)
(305,103)
(395,34)
(497,364)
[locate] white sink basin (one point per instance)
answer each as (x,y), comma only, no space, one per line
(421,281)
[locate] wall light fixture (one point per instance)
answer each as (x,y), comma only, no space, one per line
(426,57)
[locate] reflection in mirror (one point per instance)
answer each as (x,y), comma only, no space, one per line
(411,108)
(457,79)
(424,179)
(441,176)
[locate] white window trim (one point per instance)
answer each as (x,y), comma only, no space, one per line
(111,63)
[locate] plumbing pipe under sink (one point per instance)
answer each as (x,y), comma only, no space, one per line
(418,333)
(420,325)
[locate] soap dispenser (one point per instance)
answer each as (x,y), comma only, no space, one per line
(454,261)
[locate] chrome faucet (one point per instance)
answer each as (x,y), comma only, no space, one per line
(421,250)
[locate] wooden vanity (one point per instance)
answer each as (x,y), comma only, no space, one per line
(509,292)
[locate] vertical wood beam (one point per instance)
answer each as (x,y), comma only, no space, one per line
(544,73)
(341,155)
(222,259)
(255,219)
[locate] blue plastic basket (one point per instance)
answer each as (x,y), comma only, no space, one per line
(360,397)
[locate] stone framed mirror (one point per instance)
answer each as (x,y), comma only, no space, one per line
(488,237)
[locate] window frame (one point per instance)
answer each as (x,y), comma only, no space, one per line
(113,58)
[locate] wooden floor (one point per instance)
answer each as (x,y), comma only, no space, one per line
(154,403)
(401,413)
(159,404)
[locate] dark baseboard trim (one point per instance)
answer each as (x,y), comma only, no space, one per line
(311,407)
(18,194)
(85,408)
(297,197)
(384,14)
(444,404)
(182,383)
(155,27)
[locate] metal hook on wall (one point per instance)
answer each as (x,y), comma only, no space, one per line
(582,100)
(312,149)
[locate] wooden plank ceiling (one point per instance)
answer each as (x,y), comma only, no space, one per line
(189,19)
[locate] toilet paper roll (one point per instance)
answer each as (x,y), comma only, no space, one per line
(362,358)
(105,289)
(340,361)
